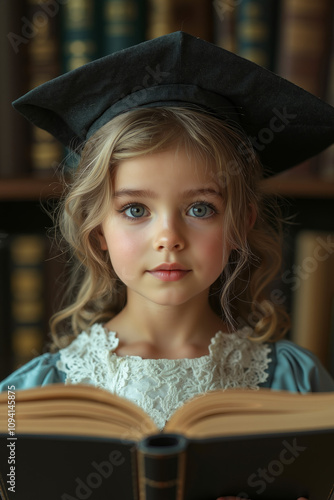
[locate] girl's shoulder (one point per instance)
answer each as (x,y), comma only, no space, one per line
(287,366)
(50,368)
(41,370)
(297,369)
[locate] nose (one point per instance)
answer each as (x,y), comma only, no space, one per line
(169,237)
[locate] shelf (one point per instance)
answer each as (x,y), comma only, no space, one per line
(299,187)
(30,188)
(41,188)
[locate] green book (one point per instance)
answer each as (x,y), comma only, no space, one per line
(122,23)
(78,35)
(256,31)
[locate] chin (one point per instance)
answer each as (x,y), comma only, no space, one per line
(171,301)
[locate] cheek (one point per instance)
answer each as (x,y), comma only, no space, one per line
(124,249)
(214,252)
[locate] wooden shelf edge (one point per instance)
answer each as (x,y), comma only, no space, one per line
(30,188)
(297,187)
(41,188)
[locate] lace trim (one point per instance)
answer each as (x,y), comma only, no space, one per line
(160,386)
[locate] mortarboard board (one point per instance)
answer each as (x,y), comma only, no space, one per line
(285,123)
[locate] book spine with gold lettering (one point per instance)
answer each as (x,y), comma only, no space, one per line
(304,52)
(78,35)
(78,44)
(122,23)
(43,62)
(27,291)
(305,43)
(256,26)
(5,347)
(192,16)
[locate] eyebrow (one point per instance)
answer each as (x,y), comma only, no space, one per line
(145,193)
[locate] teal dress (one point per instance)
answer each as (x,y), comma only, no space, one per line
(290,368)
(160,386)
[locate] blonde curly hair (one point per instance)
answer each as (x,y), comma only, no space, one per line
(241,295)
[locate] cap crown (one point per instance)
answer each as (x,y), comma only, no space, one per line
(285,123)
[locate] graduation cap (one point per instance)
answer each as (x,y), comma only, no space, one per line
(285,123)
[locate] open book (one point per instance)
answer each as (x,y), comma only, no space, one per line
(78,442)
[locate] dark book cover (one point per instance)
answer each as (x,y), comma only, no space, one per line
(171,467)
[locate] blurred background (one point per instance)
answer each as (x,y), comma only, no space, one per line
(41,39)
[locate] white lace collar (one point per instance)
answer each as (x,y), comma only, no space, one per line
(160,386)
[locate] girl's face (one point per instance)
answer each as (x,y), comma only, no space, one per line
(165,229)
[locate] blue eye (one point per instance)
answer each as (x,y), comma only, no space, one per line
(201,210)
(134,211)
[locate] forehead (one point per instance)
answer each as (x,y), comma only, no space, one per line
(171,166)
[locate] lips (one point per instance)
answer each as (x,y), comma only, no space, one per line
(170,272)
(174,266)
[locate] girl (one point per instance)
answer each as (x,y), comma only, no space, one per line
(173,243)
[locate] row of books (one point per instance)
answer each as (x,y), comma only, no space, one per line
(30,290)
(43,38)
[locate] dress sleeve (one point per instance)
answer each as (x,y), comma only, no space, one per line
(39,371)
(299,370)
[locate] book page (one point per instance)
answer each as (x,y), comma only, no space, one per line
(76,410)
(238,411)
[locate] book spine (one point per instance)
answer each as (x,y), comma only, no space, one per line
(27,255)
(313,293)
(43,63)
(160,18)
(326,161)
(192,16)
(161,467)
(224,25)
(331,344)
(256,22)
(123,24)
(304,45)
(78,37)
(5,348)
(78,45)
(14,160)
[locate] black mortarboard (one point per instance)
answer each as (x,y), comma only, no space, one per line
(285,123)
